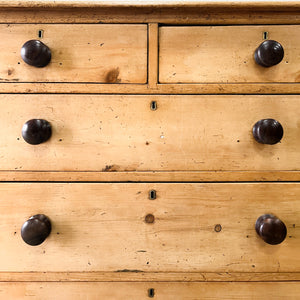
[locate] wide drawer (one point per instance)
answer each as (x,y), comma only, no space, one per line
(117,228)
(225,54)
(123,133)
(139,291)
(103,53)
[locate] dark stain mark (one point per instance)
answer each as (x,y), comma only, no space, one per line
(294,225)
(12,79)
(60,140)
(15,233)
(218,228)
(101,44)
(253,266)
(19,63)
(147,143)
(44,251)
(147,262)
(9,72)
(57,232)
(141,251)
(89,263)
(112,76)
(18,139)
(110,168)
(139,192)
(247,236)
(129,271)
(237,141)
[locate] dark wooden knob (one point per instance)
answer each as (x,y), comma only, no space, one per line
(267,131)
(36,53)
(36,131)
(269,53)
(270,229)
(36,229)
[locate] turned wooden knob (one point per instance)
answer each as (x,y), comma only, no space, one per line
(36,53)
(36,131)
(267,131)
(269,53)
(270,229)
(36,229)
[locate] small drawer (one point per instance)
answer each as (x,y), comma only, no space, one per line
(78,53)
(225,54)
(148,290)
(119,227)
(150,133)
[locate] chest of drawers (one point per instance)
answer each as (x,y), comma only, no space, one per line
(149,150)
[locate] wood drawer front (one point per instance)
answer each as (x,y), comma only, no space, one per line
(122,133)
(110,53)
(225,54)
(139,291)
(101,227)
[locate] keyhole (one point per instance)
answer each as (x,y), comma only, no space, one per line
(153,105)
(265,35)
(152,194)
(41,33)
(151,293)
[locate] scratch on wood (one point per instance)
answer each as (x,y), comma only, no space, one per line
(127,270)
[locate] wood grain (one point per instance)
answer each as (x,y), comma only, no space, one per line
(121,133)
(134,276)
(225,54)
(166,15)
(146,176)
(80,53)
(100,227)
(139,291)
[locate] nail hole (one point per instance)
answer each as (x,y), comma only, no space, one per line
(218,228)
(41,33)
(149,219)
(153,105)
(265,35)
(151,293)
(152,195)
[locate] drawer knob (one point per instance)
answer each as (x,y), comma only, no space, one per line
(36,229)
(269,53)
(36,131)
(267,131)
(270,229)
(35,53)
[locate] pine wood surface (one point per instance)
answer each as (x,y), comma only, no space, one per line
(139,291)
(102,53)
(121,133)
(101,227)
(212,54)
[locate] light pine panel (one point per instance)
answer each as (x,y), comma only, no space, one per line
(121,133)
(101,53)
(139,291)
(225,54)
(101,227)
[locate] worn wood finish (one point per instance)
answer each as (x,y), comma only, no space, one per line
(80,53)
(171,15)
(139,291)
(135,276)
(152,88)
(122,133)
(225,54)
(90,223)
(146,176)
(152,3)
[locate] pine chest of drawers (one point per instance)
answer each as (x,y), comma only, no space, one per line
(150,150)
